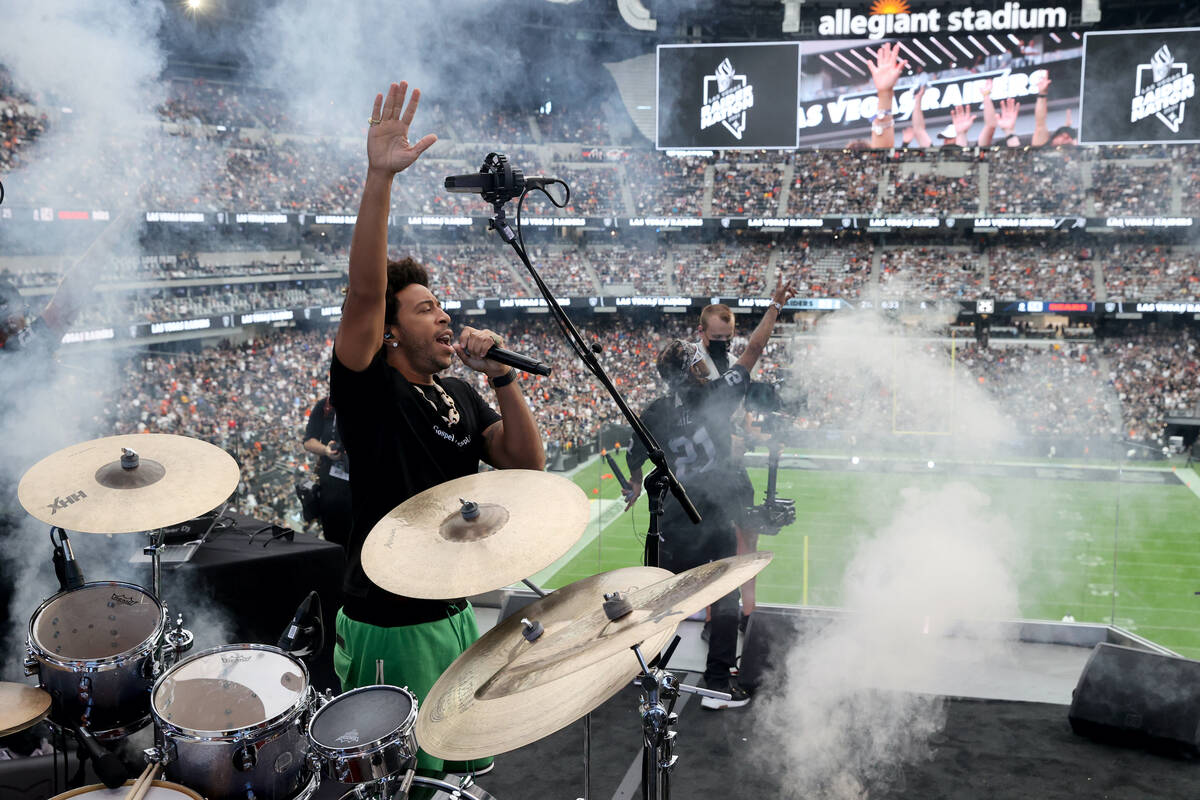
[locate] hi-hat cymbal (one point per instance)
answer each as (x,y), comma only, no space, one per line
(454,723)
(85,487)
(21,707)
(593,637)
(427,547)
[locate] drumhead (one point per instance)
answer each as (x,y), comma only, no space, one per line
(159,790)
(95,621)
(362,716)
(229,688)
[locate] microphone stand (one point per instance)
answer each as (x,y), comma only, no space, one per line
(661,478)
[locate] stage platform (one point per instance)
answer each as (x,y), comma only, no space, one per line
(1006,733)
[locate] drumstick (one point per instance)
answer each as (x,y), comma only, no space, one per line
(142,784)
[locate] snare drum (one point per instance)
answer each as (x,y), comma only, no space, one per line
(159,790)
(233,722)
(93,651)
(364,734)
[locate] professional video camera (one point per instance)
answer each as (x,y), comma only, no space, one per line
(774,513)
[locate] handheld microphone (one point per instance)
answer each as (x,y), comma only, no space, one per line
(109,767)
(66,568)
(620,476)
(516,360)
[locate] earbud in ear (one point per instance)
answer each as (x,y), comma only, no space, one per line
(387,336)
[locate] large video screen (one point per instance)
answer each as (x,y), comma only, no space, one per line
(840,90)
(1138,87)
(727,96)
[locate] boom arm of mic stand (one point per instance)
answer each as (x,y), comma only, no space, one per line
(499,223)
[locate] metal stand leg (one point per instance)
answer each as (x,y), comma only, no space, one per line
(587,756)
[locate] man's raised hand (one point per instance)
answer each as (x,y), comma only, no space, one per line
(784,291)
(1009,110)
(388,148)
(963,119)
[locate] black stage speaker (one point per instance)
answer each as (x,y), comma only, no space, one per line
(769,637)
(1136,698)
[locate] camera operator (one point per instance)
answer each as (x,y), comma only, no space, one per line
(333,472)
(693,423)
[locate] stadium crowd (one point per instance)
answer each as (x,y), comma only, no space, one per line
(252,398)
(20,122)
(1156,374)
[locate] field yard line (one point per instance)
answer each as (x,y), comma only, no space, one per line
(1189,478)
(603,513)
(1000,462)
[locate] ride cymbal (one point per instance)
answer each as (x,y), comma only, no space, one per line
(21,707)
(455,723)
(97,487)
(593,637)
(474,534)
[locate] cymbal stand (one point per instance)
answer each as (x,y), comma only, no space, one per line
(178,639)
(154,550)
(587,718)
(660,690)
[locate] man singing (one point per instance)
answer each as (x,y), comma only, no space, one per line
(406,429)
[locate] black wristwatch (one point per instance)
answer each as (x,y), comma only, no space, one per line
(503,380)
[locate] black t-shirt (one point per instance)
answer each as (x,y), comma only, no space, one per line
(695,429)
(322,426)
(400,446)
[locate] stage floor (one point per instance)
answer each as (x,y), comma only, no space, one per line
(1006,736)
(988,749)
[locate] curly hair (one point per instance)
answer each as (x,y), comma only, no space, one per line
(400,274)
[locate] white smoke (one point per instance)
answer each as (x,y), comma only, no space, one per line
(95,68)
(859,701)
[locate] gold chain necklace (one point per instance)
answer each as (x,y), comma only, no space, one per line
(451,415)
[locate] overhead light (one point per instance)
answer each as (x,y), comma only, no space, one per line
(791,16)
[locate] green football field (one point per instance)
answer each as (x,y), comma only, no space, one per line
(1072,530)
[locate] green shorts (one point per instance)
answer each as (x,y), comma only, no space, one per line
(413,656)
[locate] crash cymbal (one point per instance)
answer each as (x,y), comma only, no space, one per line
(592,637)
(85,487)
(454,723)
(426,547)
(21,707)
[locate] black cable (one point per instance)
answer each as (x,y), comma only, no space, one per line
(570,333)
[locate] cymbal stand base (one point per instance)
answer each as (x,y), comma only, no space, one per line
(660,690)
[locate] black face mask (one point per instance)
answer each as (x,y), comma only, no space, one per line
(718,347)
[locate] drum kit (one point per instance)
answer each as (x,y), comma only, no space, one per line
(243,720)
